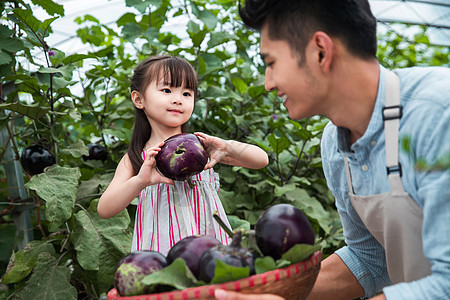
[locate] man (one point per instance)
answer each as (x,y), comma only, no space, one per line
(321,60)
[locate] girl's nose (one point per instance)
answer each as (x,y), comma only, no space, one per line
(269,84)
(176,100)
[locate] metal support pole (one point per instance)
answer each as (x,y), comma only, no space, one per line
(14,179)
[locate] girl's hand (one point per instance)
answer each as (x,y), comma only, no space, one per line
(148,172)
(216,147)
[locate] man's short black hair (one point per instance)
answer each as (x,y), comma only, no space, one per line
(295,21)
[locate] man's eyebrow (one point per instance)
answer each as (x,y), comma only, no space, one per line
(263,56)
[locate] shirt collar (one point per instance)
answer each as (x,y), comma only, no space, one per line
(374,128)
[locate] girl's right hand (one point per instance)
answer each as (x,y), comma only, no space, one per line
(148,172)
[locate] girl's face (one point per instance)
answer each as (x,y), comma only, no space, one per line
(167,106)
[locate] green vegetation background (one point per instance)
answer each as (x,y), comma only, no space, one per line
(74,251)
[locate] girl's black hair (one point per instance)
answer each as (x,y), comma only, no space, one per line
(172,70)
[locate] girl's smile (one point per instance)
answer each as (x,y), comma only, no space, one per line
(175,111)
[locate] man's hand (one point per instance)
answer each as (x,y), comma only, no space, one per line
(216,148)
(228,295)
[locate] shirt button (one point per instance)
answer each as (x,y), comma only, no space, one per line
(365,168)
(373,143)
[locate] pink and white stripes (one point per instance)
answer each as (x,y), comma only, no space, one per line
(166,213)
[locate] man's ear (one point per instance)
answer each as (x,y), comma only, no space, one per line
(323,50)
(137,99)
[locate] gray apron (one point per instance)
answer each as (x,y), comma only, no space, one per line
(394,219)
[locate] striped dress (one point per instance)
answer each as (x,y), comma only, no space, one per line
(167,213)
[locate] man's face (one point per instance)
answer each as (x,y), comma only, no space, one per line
(295,85)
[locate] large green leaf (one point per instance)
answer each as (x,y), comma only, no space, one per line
(32,111)
(101,243)
(77,149)
(51,7)
(96,184)
(23,261)
(11,44)
(224,272)
(278,144)
(58,187)
(5,59)
(177,275)
(310,206)
(26,17)
(49,281)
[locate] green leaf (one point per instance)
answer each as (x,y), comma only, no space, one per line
(214,92)
(126,18)
(23,261)
(46,23)
(64,71)
(77,57)
(240,85)
(58,187)
(236,222)
(177,275)
(12,45)
(299,252)
(131,31)
(121,134)
(50,7)
(48,281)
(224,272)
(96,184)
(281,190)
(5,58)
(77,149)
(218,38)
(101,243)
(264,264)
(26,16)
(7,241)
(310,206)
(195,33)
(208,18)
(32,111)
(278,144)
(142,5)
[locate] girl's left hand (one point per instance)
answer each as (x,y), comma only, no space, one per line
(216,148)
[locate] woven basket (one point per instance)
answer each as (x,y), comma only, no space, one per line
(292,282)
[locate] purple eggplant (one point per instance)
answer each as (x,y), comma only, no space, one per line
(133,268)
(190,249)
(182,156)
(280,227)
(36,158)
(233,255)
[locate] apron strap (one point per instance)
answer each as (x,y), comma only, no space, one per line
(392,112)
(348,175)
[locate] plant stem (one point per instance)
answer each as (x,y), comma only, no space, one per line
(222,224)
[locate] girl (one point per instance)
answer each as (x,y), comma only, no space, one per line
(163,91)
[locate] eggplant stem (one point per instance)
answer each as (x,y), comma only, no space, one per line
(222,224)
(191,183)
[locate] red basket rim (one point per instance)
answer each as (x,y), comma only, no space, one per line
(302,266)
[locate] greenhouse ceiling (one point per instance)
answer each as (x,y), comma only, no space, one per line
(433,14)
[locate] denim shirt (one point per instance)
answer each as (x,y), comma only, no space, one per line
(425,97)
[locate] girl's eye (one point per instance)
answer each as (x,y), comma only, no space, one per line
(186,94)
(166,91)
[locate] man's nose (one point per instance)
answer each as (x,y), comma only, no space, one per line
(269,84)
